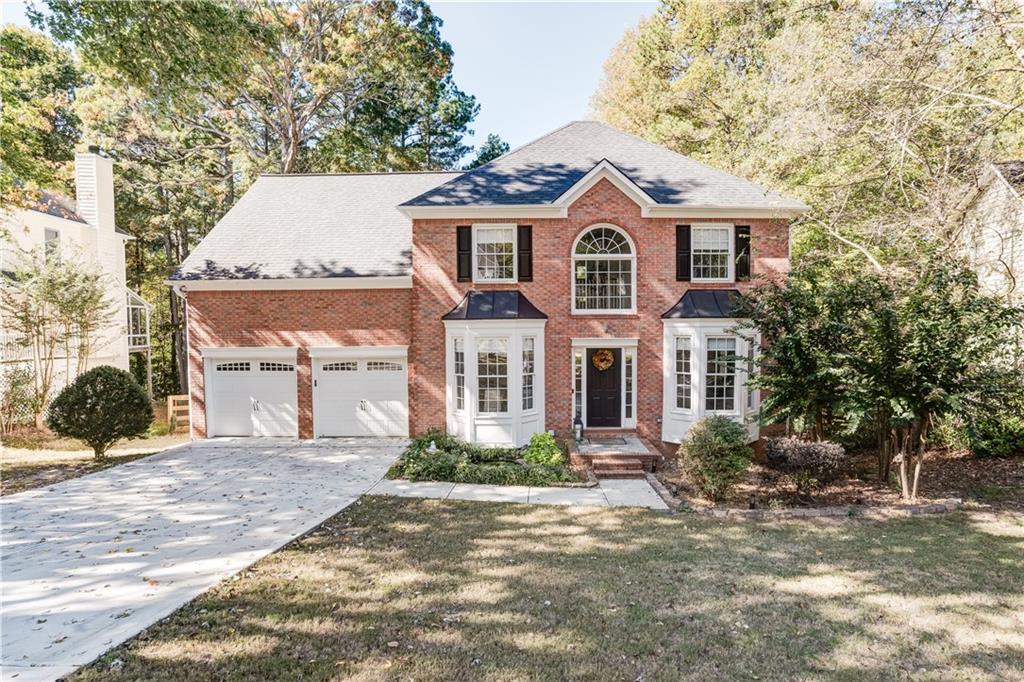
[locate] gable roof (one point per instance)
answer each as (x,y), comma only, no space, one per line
(547,169)
(313,226)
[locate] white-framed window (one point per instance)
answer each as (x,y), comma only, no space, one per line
(459,365)
(51,244)
(604,271)
(494,253)
(684,373)
(492,376)
(711,253)
(720,375)
(528,372)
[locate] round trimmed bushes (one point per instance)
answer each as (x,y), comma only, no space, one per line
(101,407)
(716,455)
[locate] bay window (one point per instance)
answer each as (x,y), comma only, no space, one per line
(492,376)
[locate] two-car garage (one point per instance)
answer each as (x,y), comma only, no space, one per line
(356,391)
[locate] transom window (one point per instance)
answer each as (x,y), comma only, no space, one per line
(492,376)
(233,367)
(712,253)
(684,374)
(276,367)
(528,372)
(720,377)
(604,272)
(494,253)
(459,346)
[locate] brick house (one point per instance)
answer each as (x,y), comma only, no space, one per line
(586,277)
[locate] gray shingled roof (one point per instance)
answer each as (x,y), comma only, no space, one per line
(56,205)
(541,171)
(286,226)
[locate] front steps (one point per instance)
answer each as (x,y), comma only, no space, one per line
(612,466)
(614,455)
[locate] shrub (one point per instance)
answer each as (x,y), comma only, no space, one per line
(101,407)
(456,461)
(808,464)
(997,434)
(17,397)
(543,449)
(716,455)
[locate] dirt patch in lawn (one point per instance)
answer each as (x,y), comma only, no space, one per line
(397,589)
(18,476)
(31,443)
(987,483)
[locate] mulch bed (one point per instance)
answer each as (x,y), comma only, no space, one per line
(989,483)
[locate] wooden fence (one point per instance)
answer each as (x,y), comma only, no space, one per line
(177,413)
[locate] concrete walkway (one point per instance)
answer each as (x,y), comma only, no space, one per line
(90,562)
(609,493)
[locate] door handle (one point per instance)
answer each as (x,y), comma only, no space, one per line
(362,405)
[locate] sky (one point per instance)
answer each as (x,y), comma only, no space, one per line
(533,66)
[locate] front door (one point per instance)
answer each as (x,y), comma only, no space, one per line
(604,387)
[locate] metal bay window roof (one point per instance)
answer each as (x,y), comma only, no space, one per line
(705,303)
(494,305)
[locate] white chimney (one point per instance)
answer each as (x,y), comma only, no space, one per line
(94,189)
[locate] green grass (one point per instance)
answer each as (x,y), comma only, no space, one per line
(430,590)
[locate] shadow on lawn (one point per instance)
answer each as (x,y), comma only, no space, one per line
(397,589)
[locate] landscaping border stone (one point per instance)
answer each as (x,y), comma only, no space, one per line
(942,506)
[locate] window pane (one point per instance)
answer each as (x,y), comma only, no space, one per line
(528,370)
(492,376)
(495,253)
(720,389)
(710,252)
(603,240)
(684,375)
(604,284)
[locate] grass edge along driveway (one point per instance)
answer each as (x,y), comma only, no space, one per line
(424,589)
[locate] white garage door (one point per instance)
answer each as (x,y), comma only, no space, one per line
(363,396)
(251,397)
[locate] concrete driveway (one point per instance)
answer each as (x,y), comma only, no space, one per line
(90,562)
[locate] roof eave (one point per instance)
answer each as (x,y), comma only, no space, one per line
(291,283)
(555,211)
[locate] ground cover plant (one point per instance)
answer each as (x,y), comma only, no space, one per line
(438,456)
(429,590)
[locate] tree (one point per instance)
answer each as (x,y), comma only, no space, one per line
(896,350)
(492,148)
(100,408)
(38,129)
(53,304)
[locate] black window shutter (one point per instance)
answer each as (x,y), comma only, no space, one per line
(525,252)
(464,250)
(682,253)
(743,253)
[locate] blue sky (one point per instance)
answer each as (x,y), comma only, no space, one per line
(532,66)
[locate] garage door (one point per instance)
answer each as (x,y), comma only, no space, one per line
(251,397)
(362,396)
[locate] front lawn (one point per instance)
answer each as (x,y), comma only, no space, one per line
(443,590)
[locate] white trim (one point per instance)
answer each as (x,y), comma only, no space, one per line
(291,284)
(551,211)
(372,352)
(633,257)
(604,170)
(582,345)
(730,263)
(605,342)
(257,352)
(476,227)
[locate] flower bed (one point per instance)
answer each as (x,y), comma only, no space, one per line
(438,456)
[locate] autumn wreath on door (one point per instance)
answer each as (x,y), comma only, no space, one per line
(603,359)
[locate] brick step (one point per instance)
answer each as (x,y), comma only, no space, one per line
(617,467)
(616,473)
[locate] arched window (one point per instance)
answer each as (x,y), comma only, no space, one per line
(604,271)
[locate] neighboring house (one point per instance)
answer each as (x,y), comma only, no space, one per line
(993,235)
(57,227)
(587,275)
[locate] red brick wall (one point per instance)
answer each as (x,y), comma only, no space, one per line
(435,291)
(360,317)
